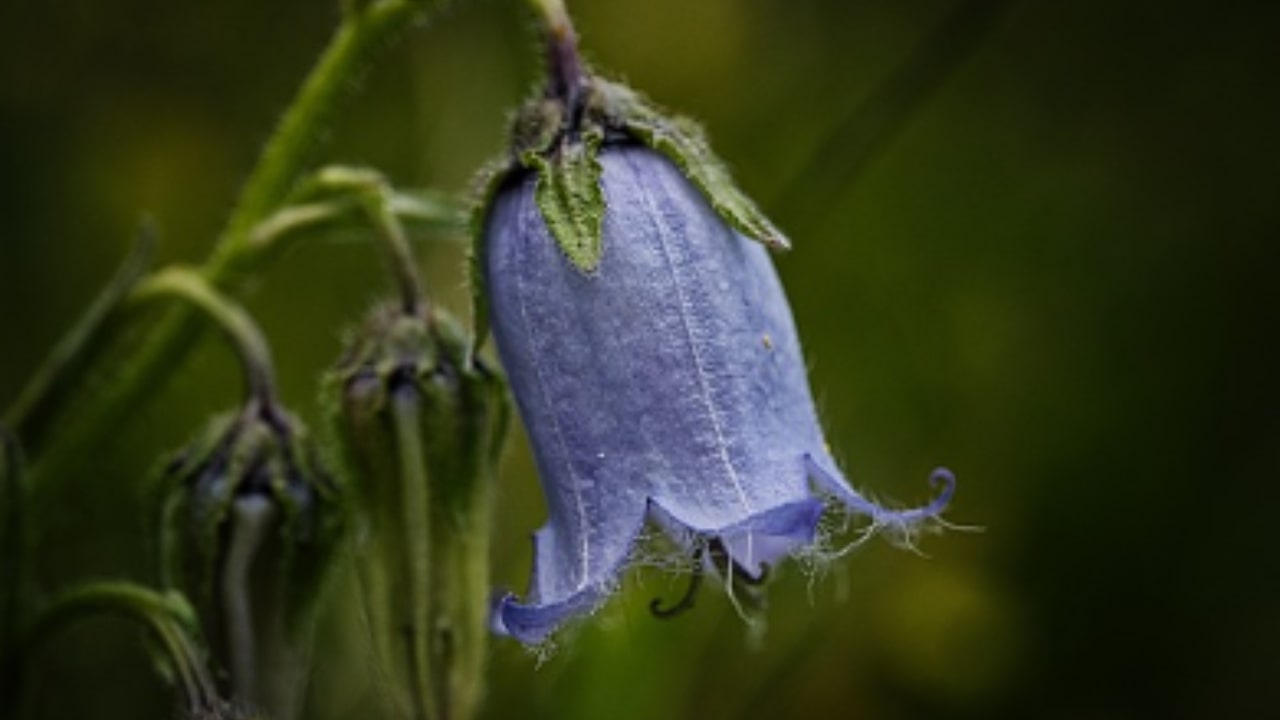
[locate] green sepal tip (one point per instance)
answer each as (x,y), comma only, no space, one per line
(571,198)
(685,143)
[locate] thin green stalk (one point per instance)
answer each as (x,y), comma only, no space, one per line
(138,370)
(32,412)
(376,197)
(297,134)
(166,615)
(566,77)
(255,355)
(400,256)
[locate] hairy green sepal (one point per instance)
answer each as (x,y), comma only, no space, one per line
(683,141)
(562,145)
(571,199)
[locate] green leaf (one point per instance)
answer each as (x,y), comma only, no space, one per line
(685,143)
(571,199)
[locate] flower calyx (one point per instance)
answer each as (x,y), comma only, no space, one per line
(562,143)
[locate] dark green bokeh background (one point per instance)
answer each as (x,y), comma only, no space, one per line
(1053,280)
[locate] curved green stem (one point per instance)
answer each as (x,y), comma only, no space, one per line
(297,134)
(166,615)
(32,411)
(424,209)
(138,370)
(376,197)
(250,344)
(399,255)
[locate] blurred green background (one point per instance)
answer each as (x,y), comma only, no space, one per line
(1051,278)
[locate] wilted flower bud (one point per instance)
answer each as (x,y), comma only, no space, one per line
(252,519)
(660,383)
(420,424)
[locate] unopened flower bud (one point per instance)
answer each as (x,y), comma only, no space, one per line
(420,424)
(252,519)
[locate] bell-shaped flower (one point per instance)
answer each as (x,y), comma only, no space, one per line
(664,388)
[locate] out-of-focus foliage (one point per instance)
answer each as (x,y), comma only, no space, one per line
(1053,280)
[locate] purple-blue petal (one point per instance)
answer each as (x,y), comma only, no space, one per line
(668,386)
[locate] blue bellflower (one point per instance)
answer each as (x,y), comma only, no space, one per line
(665,388)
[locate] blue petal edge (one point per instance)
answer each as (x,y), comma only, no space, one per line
(773,532)
(756,540)
(532,624)
(902,522)
(752,542)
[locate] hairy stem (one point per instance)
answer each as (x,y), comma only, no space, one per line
(31,410)
(297,134)
(135,370)
(400,259)
(166,615)
(376,197)
(566,77)
(241,330)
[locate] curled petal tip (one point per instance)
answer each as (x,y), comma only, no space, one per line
(533,623)
(903,522)
(945,479)
(497,624)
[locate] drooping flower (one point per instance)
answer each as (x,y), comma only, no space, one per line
(662,386)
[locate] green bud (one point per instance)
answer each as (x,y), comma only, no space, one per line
(420,423)
(252,519)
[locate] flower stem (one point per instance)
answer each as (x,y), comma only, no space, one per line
(138,369)
(297,134)
(566,77)
(250,344)
(400,257)
(32,411)
(166,615)
(377,199)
